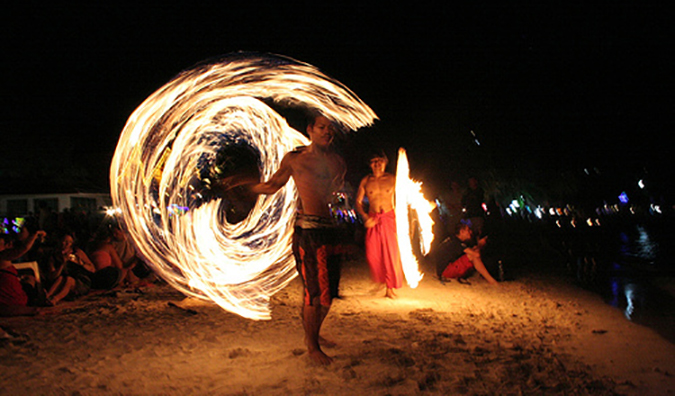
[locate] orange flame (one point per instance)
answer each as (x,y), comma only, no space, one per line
(238,266)
(409,196)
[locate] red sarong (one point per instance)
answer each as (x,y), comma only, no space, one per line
(382,251)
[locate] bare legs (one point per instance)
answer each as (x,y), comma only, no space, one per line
(60,289)
(312,318)
(477,262)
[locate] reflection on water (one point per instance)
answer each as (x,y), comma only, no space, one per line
(625,293)
(631,267)
(639,246)
(634,272)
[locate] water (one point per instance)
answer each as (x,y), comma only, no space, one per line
(630,264)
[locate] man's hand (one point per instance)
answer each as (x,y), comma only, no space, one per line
(228,183)
(371,222)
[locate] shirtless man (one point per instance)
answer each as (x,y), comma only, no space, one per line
(318,172)
(381,245)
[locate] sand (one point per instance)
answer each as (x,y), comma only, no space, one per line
(536,334)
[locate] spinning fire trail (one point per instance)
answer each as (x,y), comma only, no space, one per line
(157,174)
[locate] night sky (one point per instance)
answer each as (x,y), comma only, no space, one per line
(544,89)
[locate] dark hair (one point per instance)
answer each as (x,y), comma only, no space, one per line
(462,224)
(377,154)
(312,115)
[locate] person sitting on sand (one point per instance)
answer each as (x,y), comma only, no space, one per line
(110,271)
(381,244)
(19,295)
(139,272)
(68,271)
(459,254)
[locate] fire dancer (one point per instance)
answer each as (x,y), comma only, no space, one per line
(459,254)
(381,246)
(318,171)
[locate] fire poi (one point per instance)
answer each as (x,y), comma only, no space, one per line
(158,180)
(409,196)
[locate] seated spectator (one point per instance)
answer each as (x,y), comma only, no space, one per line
(68,271)
(459,254)
(127,253)
(37,251)
(18,295)
(109,269)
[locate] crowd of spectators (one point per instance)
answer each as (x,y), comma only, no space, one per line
(76,253)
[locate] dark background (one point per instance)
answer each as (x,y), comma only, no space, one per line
(566,100)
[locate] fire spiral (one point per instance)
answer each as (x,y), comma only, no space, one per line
(158,183)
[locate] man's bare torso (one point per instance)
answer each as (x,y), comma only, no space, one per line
(380,192)
(317,175)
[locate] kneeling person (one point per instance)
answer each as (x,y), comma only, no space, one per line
(459,254)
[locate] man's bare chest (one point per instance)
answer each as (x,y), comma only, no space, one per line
(319,171)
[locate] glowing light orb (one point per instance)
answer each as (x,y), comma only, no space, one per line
(156,181)
(409,195)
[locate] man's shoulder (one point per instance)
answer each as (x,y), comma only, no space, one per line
(296,152)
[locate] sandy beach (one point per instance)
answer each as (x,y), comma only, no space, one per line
(536,334)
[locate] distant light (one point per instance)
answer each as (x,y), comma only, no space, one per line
(641,184)
(623,198)
(112,211)
(539,212)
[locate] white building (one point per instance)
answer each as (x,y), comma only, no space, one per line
(23,204)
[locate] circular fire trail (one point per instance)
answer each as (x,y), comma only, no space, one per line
(158,172)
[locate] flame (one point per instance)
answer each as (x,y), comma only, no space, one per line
(409,195)
(158,158)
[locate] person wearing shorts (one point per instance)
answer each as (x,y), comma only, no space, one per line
(318,258)
(318,172)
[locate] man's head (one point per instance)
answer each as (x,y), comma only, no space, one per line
(378,162)
(463,231)
(321,131)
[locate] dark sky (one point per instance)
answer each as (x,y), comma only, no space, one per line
(551,88)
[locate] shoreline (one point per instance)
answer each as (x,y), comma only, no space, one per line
(536,334)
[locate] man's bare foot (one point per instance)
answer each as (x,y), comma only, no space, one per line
(390,294)
(319,357)
(377,288)
(323,342)
(326,343)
